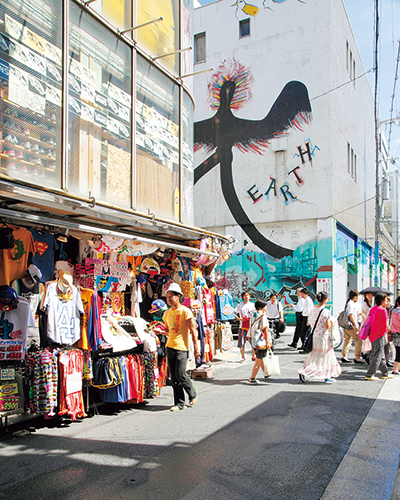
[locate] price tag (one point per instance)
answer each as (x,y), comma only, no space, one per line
(7,374)
(9,403)
(74,383)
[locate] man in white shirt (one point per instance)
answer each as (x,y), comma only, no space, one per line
(298,309)
(308,305)
(274,313)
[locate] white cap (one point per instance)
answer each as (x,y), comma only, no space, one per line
(174,287)
(34,272)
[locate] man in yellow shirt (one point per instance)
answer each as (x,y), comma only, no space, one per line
(179,322)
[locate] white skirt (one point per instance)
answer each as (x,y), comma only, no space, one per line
(321,362)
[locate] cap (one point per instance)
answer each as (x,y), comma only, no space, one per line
(174,287)
(8,298)
(34,272)
(65,282)
(158,305)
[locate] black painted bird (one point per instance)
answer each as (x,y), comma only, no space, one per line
(224,130)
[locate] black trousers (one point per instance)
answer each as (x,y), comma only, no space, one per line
(177,361)
(304,329)
(296,335)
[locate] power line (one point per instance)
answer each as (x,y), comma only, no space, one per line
(396,76)
(347,209)
(342,85)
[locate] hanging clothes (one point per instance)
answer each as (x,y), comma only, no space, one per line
(71,375)
(41,378)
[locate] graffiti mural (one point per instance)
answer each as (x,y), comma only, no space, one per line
(229,89)
(252,10)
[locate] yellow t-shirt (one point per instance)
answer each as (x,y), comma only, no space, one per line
(176,321)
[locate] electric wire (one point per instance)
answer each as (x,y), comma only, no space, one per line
(342,85)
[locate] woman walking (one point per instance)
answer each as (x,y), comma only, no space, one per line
(395,331)
(354,313)
(259,331)
(321,362)
(366,307)
(379,326)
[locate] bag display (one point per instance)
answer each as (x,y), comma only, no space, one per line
(344,321)
(365,330)
(271,364)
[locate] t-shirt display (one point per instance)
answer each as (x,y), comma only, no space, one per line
(14,330)
(14,261)
(46,245)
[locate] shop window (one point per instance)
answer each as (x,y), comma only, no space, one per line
(244,28)
(99,111)
(157,142)
(200,47)
(117,12)
(187,156)
(161,37)
(30,91)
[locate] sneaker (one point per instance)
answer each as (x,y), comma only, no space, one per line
(242,360)
(395,373)
(292,346)
(37,161)
(53,167)
(193,401)
(389,375)
(10,153)
(23,170)
(11,138)
(177,408)
(50,153)
(372,377)
(19,155)
(11,168)
(253,381)
(330,381)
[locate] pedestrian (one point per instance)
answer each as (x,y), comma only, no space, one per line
(379,326)
(243,312)
(274,313)
(308,305)
(388,337)
(353,311)
(298,310)
(365,309)
(395,332)
(259,330)
(179,323)
(321,362)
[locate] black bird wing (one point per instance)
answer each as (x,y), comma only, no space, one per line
(292,109)
(206,133)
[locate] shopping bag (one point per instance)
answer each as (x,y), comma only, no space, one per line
(365,329)
(334,333)
(271,364)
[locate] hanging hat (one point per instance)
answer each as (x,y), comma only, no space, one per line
(158,305)
(34,272)
(65,282)
(150,266)
(8,298)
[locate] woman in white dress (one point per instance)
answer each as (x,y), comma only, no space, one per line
(321,362)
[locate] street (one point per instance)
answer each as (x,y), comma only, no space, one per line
(281,439)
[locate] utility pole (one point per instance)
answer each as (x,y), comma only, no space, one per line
(377,149)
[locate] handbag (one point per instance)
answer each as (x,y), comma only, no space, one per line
(271,364)
(281,326)
(365,330)
(259,342)
(334,333)
(308,344)
(344,321)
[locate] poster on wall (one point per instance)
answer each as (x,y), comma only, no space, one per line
(324,285)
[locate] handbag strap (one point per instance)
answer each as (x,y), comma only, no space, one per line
(316,323)
(257,319)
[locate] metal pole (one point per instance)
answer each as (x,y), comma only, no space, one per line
(377,207)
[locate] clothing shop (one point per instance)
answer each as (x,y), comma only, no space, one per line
(78,312)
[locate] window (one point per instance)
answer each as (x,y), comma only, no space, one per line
(200,47)
(244,28)
(350,63)
(351,162)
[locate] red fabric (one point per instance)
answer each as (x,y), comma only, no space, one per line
(379,320)
(70,362)
(208,307)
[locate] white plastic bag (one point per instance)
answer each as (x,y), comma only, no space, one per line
(271,364)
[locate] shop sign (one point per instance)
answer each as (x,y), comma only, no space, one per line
(4,69)
(7,374)
(11,350)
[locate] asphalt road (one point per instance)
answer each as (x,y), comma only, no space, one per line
(279,440)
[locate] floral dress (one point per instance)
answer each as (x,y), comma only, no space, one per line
(321,362)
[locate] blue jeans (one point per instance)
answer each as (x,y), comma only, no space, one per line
(177,361)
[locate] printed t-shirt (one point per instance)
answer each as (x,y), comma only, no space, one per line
(245,311)
(14,330)
(46,245)
(63,319)
(14,261)
(176,321)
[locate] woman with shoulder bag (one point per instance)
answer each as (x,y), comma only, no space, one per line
(260,337)
(354,313)
(321,362)
(395,331)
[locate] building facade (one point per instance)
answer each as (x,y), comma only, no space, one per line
(96,116)
(285,146)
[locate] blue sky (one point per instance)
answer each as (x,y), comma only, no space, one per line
(361,15)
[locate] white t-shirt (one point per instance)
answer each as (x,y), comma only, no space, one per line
(14,324)
(63,316)
(354,308)
(274,310)
(299,306)
(245,311)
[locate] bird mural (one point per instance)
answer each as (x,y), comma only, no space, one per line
(246,8)
(230,89)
